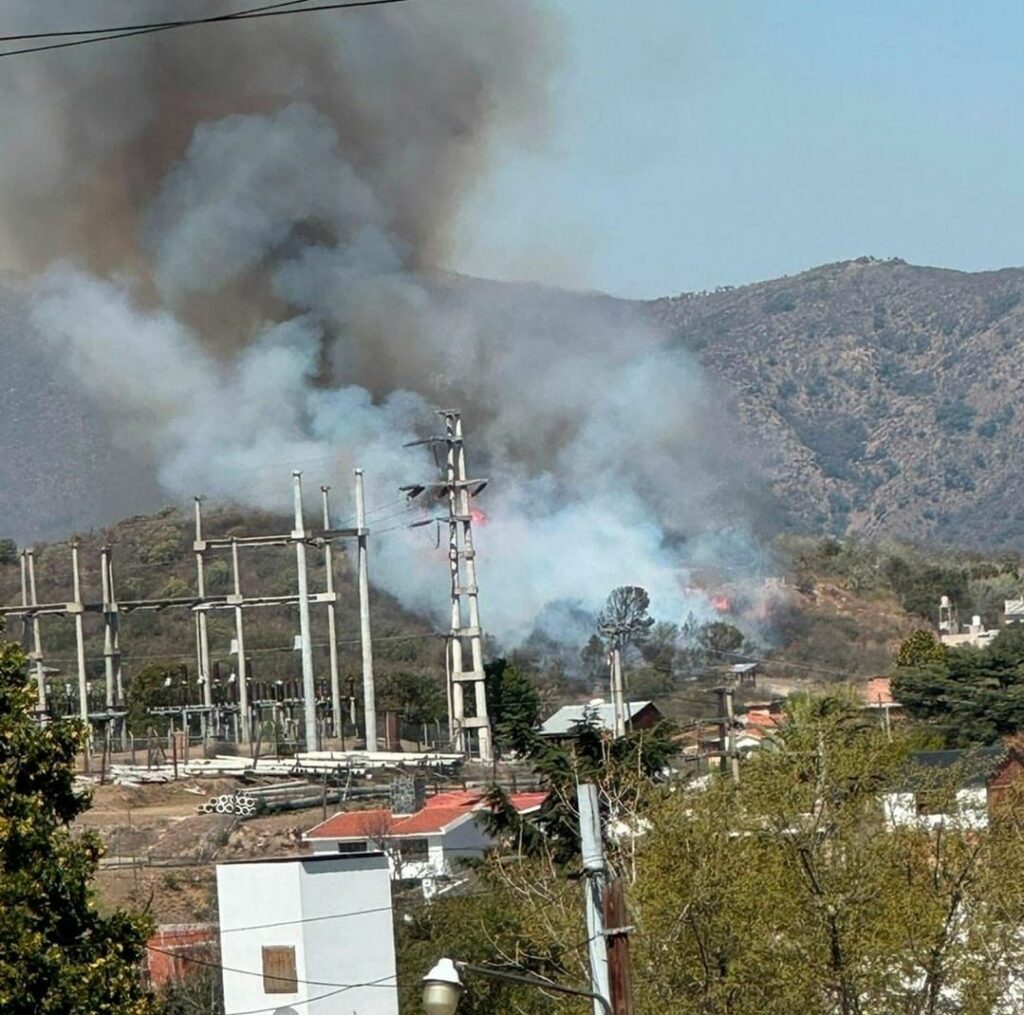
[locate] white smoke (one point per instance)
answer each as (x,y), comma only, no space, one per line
(277,305)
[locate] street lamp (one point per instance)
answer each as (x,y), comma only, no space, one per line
(442,987)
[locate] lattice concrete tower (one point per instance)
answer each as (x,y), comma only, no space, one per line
(462,564)
(465,655)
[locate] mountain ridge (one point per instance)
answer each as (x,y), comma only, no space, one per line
(879,397)
(882,394)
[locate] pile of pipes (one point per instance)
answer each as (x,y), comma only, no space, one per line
(230,803)
(320,762)
(286,796)
(315,763)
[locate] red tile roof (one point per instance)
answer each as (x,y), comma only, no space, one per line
(763,718)
(439,812)
(524,802)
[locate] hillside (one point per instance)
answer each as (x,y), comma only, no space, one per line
(883,395)
(153,558)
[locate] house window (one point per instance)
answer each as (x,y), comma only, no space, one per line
(279,975)
(353,847)
(413,849)
(935,801)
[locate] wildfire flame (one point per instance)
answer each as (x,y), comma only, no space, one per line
(477,516)
(722,604)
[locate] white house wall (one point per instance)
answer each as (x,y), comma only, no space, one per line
(467,839)
(335,912)
(971,810)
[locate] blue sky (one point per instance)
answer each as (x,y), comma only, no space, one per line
(698,143)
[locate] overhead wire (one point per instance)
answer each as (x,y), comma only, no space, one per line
(252,972)
(291,7)
(111,29)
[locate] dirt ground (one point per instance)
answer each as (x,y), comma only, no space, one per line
(160,852)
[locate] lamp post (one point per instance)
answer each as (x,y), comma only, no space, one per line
(442,986)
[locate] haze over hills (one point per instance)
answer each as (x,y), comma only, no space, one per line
(880,397)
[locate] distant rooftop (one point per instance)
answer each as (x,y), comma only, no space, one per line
(599,712)
(438,814)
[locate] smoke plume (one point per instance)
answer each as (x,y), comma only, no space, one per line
(234,237)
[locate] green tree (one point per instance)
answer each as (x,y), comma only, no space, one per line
(199,991)
(624,619)
(57,953)
(971,696)
(414,695)
(789,892)
(922,648)
(514,707)
(719,639)
(594,659)
(8,551)
(155,685)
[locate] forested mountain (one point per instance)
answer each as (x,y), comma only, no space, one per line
(883,395)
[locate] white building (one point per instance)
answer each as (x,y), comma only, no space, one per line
(425,845)
(956,787)
(308,935)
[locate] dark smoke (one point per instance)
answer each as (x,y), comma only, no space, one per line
(235,239)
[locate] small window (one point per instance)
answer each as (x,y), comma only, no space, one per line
(279,975)
(935,801)
(413,849)
(353,847)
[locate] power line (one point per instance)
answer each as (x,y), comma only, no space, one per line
(110,29)
(252,972)
(96,34)
(131,656)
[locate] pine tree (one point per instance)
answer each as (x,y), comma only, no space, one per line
(514,706)
(58,955)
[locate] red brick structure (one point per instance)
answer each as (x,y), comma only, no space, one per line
(169,949)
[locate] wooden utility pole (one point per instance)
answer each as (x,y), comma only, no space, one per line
(617,935)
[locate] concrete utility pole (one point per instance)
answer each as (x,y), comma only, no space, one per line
(204,637)
(457,489)
(332,623)
(37,636)
(453,427)
(79,612)
(618,693)
(240,657)
(305,636)
(365,639)
(727,728)
(595,874)
(109,623)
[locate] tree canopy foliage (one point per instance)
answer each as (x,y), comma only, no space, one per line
(625,619)
(514,707)
(968,695)
(789,892)
(57,953)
